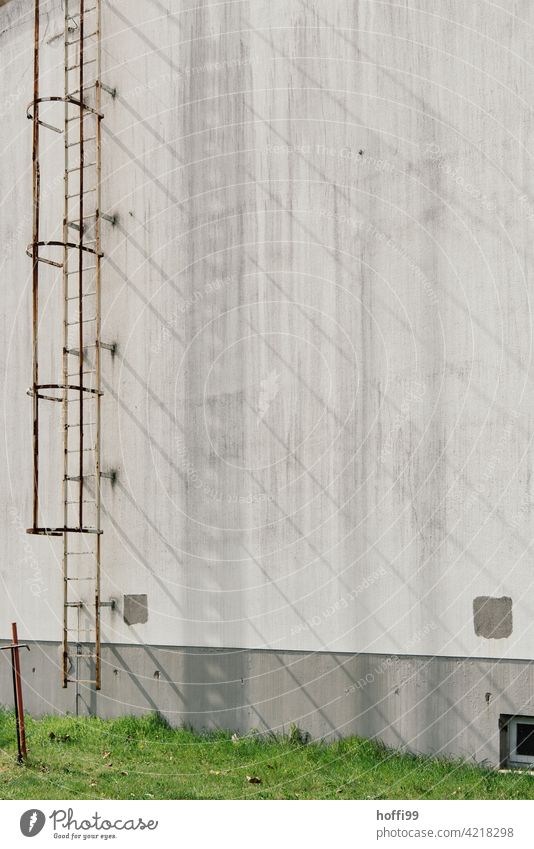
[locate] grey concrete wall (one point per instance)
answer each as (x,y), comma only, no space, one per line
(319,409)
(445,706)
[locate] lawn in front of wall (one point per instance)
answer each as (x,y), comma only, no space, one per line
(130,758)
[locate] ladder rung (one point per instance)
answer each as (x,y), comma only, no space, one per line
(84,295)
(78,40)
(77,450)
(88,139)
(83,501)
(79,167)
(89,578)
(80,680)
(74,604)
(86,111)
(84,321)
(86,424)
(85,192)
(75,352)
(87,86)
(76,479)
(75,222)
(89,268)
(77,67)
(85,371)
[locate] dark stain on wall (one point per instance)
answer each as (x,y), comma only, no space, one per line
(135,609)
(492,617)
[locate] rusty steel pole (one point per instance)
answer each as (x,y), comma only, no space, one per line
(35,261)
(17,691)
(19,705)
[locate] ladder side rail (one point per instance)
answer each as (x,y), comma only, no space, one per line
(98,313)
(80,262)
(66,576)
(36,203)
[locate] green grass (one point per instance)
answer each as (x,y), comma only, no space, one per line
(127,758)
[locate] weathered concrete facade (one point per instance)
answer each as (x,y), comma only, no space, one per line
(446,706)
(318,411)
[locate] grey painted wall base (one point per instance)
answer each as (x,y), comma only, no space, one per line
(434,705)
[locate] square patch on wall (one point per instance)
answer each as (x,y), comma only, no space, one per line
(492,617)
(135,609)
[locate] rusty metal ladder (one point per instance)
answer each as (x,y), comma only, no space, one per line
(79,391)
(81,344)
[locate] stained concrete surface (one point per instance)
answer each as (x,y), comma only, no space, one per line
(319,409)
(445,706)
(493,617)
